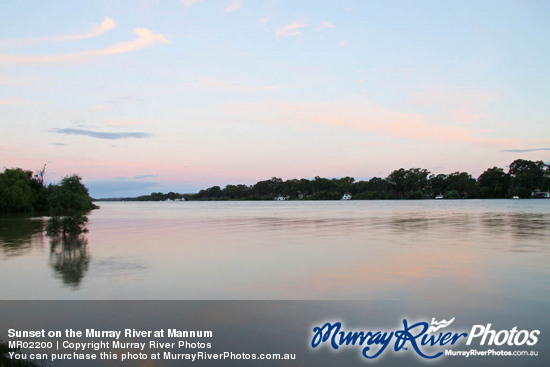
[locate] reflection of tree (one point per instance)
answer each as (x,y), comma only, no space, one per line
(70,258)
(67,226)
(17,234)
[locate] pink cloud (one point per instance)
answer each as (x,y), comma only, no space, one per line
(235,5)
(461,105)
(97,30)
(325,25)
(145,39)
(357,113)
(292,29)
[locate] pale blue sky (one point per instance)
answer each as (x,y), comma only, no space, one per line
(141,96)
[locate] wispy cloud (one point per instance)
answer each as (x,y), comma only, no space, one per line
(358,113)
(460,105)
(235,5)
(60,144)
(100,107)
(103,134)
(525,150)
(142,177)
(95,31)
(145,39)
(343,43)
(292,29)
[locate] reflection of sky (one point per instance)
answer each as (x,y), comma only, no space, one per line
(475,253)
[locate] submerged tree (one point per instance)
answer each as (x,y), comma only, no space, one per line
(71,197)
(70,202)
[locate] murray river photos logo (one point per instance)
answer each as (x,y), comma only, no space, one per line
(427,340)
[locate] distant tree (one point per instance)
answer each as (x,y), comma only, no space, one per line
(325,195)
(397,181)
(411,183)
(378,185)
(438,184)
(417,180)
(493,183)
(306,187)
(210,193)
(292,189)
(528,176)
(235,191)
(268,189)
(463,183)
(344,184)
(319,184)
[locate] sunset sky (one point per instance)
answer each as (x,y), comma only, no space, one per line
(179,95)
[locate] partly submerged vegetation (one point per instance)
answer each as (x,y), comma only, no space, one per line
(66,202)
(522,179)
(21,191)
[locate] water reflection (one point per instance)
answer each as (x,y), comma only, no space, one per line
(447,252)
(69,255)
(70,258)
(18,235)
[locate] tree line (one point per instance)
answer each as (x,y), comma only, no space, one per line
(522,178)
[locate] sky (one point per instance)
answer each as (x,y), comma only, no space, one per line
(141,96)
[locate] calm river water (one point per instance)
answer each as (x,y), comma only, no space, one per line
(474,252)
(369,264)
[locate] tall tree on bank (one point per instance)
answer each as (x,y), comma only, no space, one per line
(493,183)
(528,176)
